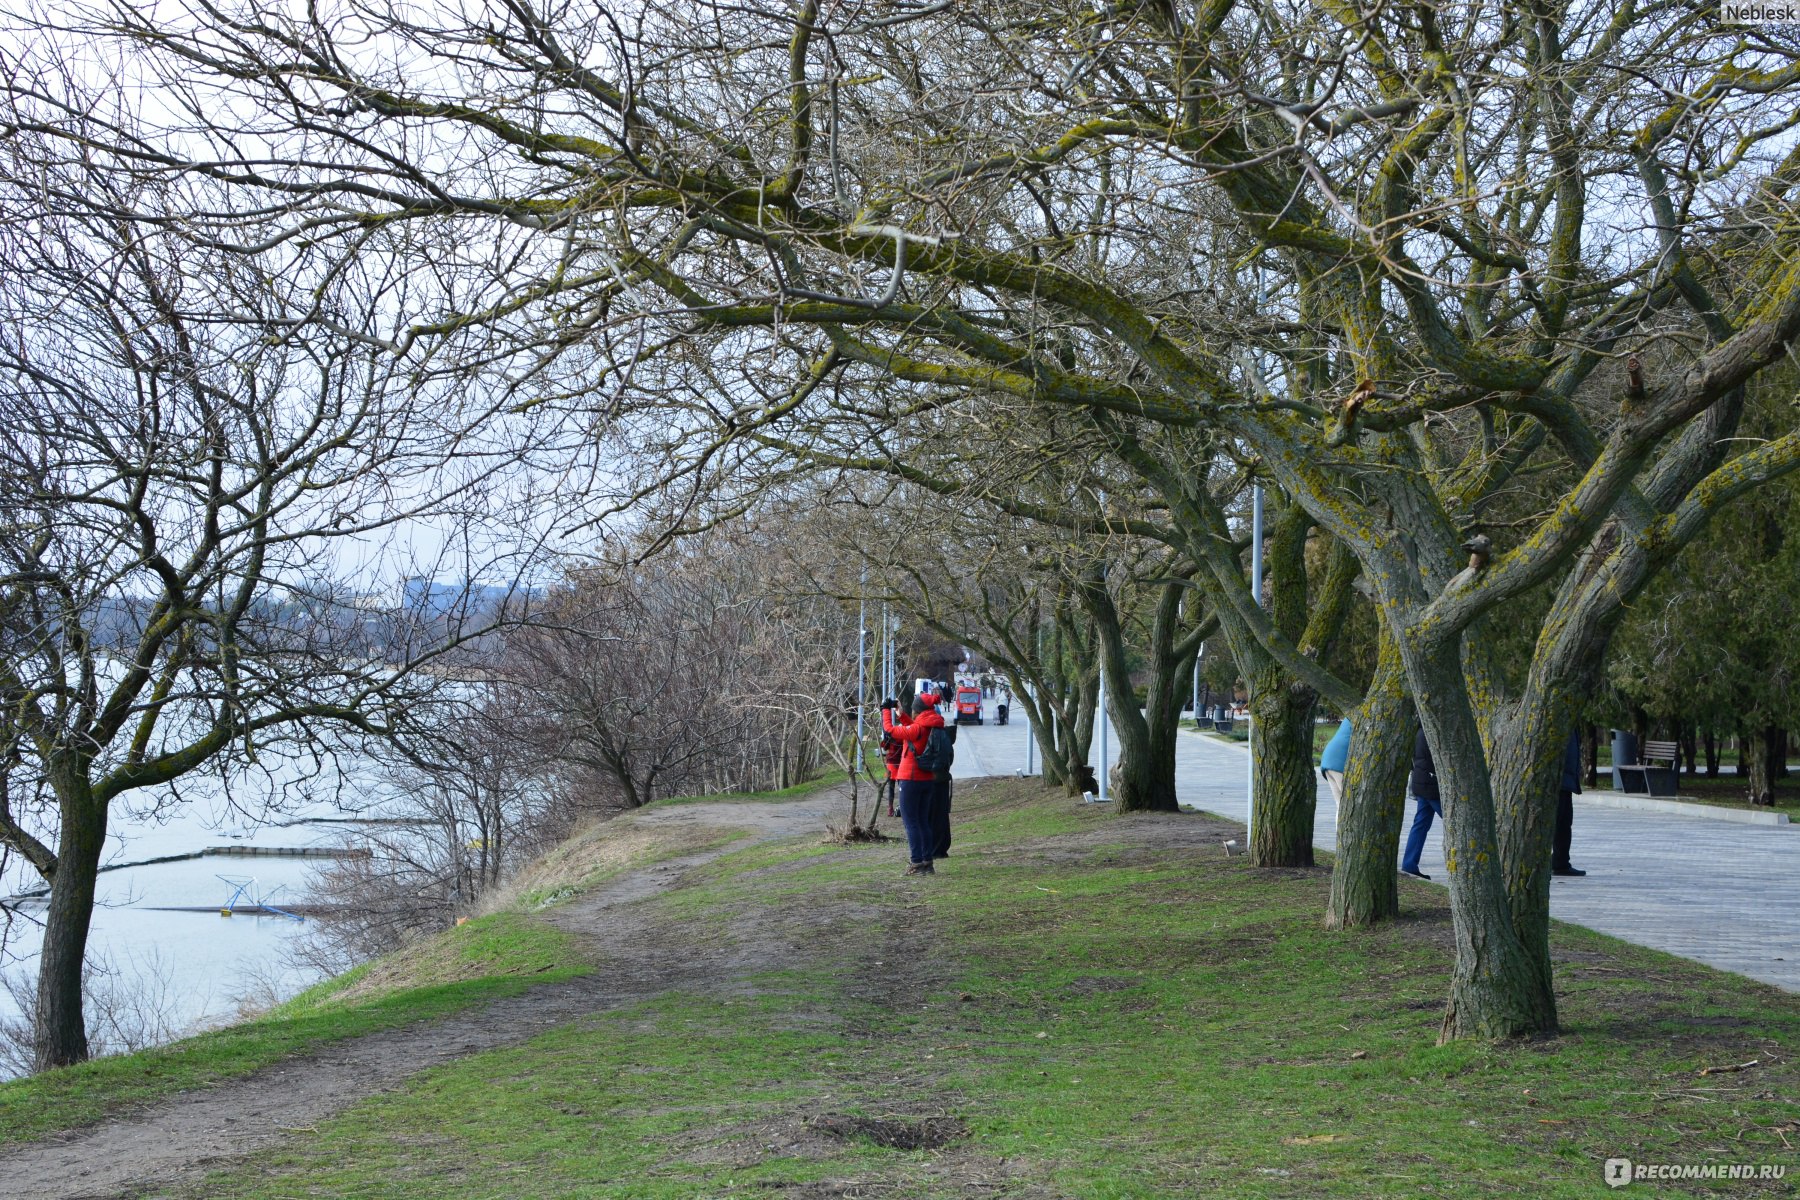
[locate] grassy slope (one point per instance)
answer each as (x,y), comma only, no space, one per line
(1111,1024)
(488,959)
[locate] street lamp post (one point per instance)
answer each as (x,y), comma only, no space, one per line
(1256,550)
(862,669)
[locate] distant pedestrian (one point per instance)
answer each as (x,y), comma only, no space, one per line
(1565,808)
(1334,758)
(1424,788)
(917,785)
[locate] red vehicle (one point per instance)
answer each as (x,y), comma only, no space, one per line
(968,705)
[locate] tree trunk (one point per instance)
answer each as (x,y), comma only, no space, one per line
(1141,784)
(1171,667)
(1284,778)
(1364,886)
(1146,738)
(1078,738)
(1163,729)
(1054,773)
(1498,987)
(59,1030)
(1286,788)
(1043,729)
(1711,740)
(1527,759)
(1758,758)
(1686,730)
(1779,748)
(1590,756)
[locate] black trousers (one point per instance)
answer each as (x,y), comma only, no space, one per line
(1565,829)
(940,819)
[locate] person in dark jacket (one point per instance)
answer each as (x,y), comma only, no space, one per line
(1565,808)
(943,787)
(918,788)
(1423,786)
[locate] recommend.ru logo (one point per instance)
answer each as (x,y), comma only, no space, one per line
(1621,1171)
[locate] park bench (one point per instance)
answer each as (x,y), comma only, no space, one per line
(1652,775)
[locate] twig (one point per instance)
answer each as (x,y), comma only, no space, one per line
(1731,1070)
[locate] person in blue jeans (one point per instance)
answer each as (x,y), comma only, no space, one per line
(1423,785)
(918,787)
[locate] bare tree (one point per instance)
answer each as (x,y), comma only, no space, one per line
(1389,258)
(189,475)
(468,802)
(629,675)
(130,1006)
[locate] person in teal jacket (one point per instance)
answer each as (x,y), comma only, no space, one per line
(1334,758)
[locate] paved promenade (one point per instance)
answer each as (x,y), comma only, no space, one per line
(1725,894)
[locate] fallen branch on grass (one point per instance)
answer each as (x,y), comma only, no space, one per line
(1731,1070)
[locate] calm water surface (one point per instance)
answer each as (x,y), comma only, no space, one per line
(194,966)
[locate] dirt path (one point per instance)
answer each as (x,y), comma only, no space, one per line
(178,1140)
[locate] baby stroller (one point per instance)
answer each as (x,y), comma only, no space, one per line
(1000,711)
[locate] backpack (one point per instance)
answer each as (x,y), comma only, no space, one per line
(939,752)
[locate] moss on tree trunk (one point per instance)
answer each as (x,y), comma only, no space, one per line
(1498,987)
(1286,791)
(1364,885)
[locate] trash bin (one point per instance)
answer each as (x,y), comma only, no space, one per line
(1625,750)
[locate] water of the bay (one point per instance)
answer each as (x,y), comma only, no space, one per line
(193,968)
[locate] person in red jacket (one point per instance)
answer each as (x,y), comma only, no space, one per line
(918,788)
(891,750)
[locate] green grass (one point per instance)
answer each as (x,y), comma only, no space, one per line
(487,959)
(1108,1021)
(1728,791)
(495,956)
